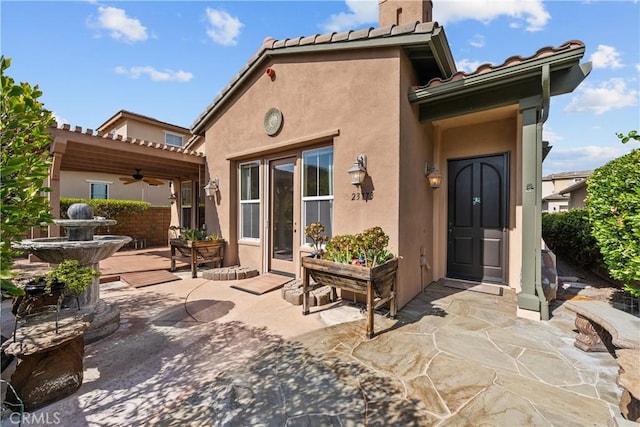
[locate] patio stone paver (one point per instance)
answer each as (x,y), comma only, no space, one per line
(197,352)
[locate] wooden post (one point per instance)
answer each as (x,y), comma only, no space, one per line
(305,291)
(369,309)
(194,261)
(173,258)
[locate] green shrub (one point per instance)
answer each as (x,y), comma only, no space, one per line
(107,208)
(613,203)
(568,234)
(24,167)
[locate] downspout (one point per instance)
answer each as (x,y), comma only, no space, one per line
(546,96)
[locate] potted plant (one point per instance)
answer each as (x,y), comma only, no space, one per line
(199,246)
(360,263)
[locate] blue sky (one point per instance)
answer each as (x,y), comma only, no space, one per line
(169,59)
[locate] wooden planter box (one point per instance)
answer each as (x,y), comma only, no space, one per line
(199,252)
(378,283)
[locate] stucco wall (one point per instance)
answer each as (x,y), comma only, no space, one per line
(76,184)
(416,197)
(356,96)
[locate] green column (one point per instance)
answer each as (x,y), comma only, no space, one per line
(531,209)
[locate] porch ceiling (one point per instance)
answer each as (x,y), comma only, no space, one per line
(78,151)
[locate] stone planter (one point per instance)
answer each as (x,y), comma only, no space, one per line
(378,283)
(199,252)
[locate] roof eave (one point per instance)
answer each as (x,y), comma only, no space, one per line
(507,74)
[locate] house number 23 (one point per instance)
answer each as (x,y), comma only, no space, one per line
(362,196)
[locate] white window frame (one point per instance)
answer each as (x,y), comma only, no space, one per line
(166,133)
(305,199)
(248,201)
(107,184)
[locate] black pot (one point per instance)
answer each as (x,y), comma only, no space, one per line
(37,287)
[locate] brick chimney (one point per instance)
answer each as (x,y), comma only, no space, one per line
(400,12)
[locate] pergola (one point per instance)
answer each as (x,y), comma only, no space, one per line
(78,150)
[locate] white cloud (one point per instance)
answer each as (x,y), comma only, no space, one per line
(548,134)
(119,25)
(606,57)
(154,75)
(580,158)
(224,29)
(608,95)
(360,12)
(638,67)
(532,12)
(467,65)
(60,120)
(477,41)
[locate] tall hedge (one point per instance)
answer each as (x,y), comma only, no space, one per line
(107,208)
(613,203)
(568,234)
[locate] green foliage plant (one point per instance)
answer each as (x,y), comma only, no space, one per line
(568,234)
(315,232)
(613,203)
(194,234)
(369,248)
(75,278)
(24,167)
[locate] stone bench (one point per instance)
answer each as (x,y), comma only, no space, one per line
(602,327)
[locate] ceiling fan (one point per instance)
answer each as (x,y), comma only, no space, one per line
(139,177)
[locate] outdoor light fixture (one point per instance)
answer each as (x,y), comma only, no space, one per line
(433,175)
(358,171)
(212,187)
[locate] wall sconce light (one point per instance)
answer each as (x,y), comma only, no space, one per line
(212,187)
(433,175)
(358,171)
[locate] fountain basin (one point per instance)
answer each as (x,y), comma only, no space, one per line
(55,250)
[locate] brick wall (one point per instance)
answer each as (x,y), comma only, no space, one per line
(151,225)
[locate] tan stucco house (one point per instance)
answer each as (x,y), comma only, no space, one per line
(280,139)
(555,198)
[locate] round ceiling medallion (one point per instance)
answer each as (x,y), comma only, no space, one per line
(272,121)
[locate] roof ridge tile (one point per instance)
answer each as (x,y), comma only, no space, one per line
(381,31)
(509,62)
(341,36)
(360,34)
(405,28)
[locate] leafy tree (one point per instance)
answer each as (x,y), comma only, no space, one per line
(613,203)
(24,167)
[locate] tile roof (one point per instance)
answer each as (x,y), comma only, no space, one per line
(509,62)
(565,175)
(135,141)
(334,39)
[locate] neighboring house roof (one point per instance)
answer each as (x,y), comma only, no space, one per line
(124,115)
(555,196)
(568,175)
(425,44)
(574,187)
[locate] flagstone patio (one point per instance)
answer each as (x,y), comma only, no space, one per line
(198,352)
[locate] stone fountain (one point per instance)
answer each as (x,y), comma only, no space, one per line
(80,244)
(50,353)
